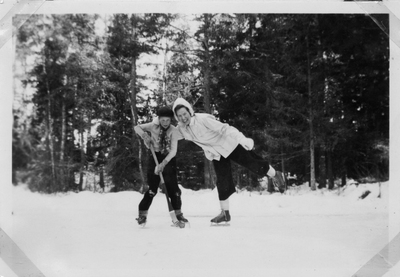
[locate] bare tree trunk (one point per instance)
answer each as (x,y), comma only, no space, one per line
(133,104)
(50,134)
(81,168)
(343,172)
(135,117)
(283,169)
(83,159)
(330,171)
(322,169)
(209,175)
(82,148)
(101,181)
(78,114)
(89,148)
(164,77)
(311,119)
(238,175)
(63,131)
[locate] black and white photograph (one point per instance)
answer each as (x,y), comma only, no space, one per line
(200,138)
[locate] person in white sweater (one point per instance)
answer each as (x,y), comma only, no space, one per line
(164,138)
(222,144)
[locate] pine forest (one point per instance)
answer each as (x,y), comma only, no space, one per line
(311,90)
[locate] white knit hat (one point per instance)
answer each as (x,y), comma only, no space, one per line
(181,101)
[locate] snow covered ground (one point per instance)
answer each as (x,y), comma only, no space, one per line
(300,233)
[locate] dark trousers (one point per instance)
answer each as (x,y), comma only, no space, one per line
(223,169)
(171,183)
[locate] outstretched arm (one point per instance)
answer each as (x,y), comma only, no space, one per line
(226,130)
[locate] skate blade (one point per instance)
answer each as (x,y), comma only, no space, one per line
(181,225)
(221,224)
(141,224)
(185,224)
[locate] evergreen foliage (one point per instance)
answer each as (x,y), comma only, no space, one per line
(312,90)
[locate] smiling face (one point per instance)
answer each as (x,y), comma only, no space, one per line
(165,121)
(183,115)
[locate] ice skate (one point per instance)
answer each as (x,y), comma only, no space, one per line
(222,219)
(178,223)
(279,182)
(181,218)
(142,220)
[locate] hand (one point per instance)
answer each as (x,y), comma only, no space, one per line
(247,143)
(147,139)
(160,167)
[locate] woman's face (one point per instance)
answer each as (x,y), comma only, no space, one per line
(165,121)
(183,116)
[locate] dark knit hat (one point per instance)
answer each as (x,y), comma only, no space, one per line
(165,112)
